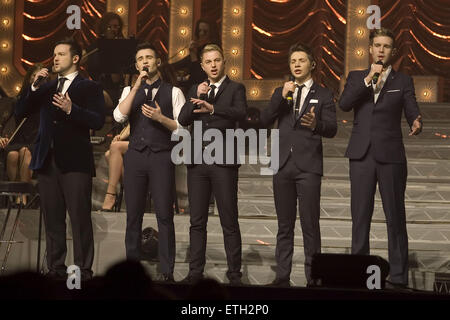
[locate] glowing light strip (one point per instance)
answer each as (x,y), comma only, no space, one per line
(270,51)
(432,32)
(95,10)
(427,50)
(341,18)
(255,27)
(28,38)
(29,16)
(257,76)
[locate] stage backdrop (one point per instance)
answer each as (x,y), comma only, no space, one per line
(422,28)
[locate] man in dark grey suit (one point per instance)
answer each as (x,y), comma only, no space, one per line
(224,105)
(302,125)
(378,96)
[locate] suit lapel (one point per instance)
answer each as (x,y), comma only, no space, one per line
(311,93)
(389,81)
(222,87)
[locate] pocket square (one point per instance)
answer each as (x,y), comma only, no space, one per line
(313,101)
(395,90)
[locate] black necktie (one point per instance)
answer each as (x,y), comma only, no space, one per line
(150,87)
(212,93)
(297,101)
(61,84)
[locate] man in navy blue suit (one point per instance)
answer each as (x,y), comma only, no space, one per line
(378,96)
(63,158)
(302,124)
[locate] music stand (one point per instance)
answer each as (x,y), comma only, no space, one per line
(116,55)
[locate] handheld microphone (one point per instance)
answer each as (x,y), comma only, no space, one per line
(289,97)
(204,96)
(377,74)
(38,81)
(145,78)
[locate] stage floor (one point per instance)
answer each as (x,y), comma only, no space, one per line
(258,241)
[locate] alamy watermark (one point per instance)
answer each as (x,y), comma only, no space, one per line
(232,143)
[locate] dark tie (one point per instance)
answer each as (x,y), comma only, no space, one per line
(150,87)
(61,84)
(212,93)
(297,101)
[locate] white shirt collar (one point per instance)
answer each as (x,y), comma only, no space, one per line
(219,83)
(70,76)
(308,83)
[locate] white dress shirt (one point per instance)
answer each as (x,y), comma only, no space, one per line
(377,90)
(67,83)
(178,101)
(305,90)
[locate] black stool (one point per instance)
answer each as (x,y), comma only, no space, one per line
(18,189)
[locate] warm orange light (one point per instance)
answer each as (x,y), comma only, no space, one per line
(17,88)
(4,69)
(184,11)
(183,31)
(5,22)
(360,32)
(236,11)
(5,45)
(234,71)
(235,52)
(181,52)
(360,52)
(360,11)
(120,10)
(235,31)
(426,93)
(254,92)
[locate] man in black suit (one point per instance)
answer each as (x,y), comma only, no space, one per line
(152,107)
(378,96)
(302,123)
(223,107)
(63,158)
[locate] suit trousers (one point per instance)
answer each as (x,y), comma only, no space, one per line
(147,171)
(289,185)
(222,182)
(391,178)
(59,192)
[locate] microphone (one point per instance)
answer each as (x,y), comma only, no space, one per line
(145,68)
(204,96)
(377,74)
(289,97)
(38,81)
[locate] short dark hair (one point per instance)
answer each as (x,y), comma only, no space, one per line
(382,32)
(75,48)
(302,48)
(146,45)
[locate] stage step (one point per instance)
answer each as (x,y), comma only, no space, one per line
(429,246)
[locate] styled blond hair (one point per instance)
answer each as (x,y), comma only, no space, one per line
(212,47)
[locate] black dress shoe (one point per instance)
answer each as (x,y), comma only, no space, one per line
(395,286)
(192,278)
(236,282)
(57,276)
(282,283)
(167,277)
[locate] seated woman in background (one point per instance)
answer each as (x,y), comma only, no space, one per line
(114,157)
(189,71)
(20,148)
